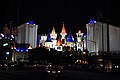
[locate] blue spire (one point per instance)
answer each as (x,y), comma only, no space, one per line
(48,38)
(69,38)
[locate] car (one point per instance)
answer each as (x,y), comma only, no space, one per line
(53,69)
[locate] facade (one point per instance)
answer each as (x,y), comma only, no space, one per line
(97,37)
(27,33)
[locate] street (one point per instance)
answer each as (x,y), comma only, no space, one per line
(67,75)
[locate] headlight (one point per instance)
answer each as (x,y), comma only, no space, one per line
(48,71)
(58,71)
(116,66)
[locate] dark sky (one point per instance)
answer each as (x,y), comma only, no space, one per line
(46,13)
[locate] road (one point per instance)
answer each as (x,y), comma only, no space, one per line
(67,75)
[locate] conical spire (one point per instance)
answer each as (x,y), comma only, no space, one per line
(48,38)
(53,30)
(69,38)
(59,42)
(79,32)
(63,29)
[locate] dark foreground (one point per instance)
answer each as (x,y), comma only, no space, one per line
(66,75)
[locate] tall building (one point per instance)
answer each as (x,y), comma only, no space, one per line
(91,36)
(10,32)
(27,33)
(97,37)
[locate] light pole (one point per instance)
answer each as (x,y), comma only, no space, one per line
(107,18)
(7,53)
(10,44)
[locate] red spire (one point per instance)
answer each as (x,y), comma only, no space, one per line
(63,29)
(79,32)
(59,42)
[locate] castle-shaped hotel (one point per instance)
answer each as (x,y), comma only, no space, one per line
(27,34)
(95,40)
(27,38)
(64,39)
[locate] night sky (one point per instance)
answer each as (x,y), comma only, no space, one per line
(46,13)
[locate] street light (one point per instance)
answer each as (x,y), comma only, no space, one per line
(7,53)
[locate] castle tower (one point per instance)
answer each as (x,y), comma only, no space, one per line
(70,40)
(59,45)
(53,35)
(43,39)
(79,42)
(63,35)
(48,41)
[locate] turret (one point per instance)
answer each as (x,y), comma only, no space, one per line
(48,41)
(79,42)
(53,35)
(70,40)
(59,45)
(63,35)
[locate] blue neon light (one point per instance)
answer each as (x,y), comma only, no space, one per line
(18,50)
(85,35)
(92,21)
(30,22)
(26,50)
(22,50)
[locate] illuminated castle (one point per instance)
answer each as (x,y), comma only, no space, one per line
(25,38)
(52,40)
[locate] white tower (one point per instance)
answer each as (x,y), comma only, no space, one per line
(53,35)
(97,37)
(91,36)
(79,42)
(43,39)
(27,33)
